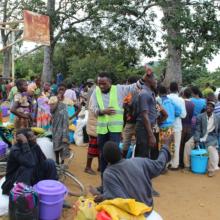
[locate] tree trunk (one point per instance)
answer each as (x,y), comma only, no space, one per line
(174,64)
(6,53)
(48,64)
(48,50)
(7,63)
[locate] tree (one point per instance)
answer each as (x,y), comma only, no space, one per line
(12,10)
(87,56)
(190,30)
(192,33)
(173,72)
(193,74)
(7,11)
(81,57)
(66,16)
(30,65)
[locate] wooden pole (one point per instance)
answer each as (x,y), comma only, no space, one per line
(13,58)
(9,29)
(11,22)
(36,48)
(10,45)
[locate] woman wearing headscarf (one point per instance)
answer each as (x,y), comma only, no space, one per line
(60,129)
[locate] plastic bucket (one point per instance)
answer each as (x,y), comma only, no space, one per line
(51,196)
(3,147)
(5,112)
(199,161)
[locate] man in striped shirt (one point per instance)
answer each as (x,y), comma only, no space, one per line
(217,106)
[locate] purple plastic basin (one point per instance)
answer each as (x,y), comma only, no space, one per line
(3,147)
(51,196)
(5,111)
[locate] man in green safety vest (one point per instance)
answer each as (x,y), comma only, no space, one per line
(107,104)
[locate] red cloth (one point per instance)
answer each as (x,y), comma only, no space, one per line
(93,147)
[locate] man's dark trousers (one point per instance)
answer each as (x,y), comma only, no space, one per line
(142,147)
(102,139)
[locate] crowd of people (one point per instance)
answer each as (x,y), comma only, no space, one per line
(164,124)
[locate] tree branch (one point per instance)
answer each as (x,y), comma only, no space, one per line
(12,10)
(63,31)
(146,8)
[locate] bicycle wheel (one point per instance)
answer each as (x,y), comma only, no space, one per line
(3,166)
(75,187)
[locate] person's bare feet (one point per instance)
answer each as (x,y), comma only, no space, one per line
(90,171)
(93,191)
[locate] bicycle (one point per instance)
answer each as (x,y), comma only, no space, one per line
(64,176)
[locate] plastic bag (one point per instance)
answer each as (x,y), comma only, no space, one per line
(82,120)
(84,209)
(46,146)
(4,200)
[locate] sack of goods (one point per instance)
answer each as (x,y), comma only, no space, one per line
(23,203)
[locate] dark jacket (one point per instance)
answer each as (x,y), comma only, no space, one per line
(21,155)
(201,129)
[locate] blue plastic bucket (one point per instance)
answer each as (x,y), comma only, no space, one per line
(199,161)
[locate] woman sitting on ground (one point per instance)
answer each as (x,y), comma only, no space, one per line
(27,163)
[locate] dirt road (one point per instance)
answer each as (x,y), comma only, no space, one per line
(184,196)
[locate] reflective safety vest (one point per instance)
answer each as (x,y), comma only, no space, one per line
(109,123)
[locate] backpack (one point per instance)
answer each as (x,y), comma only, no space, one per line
(23,203)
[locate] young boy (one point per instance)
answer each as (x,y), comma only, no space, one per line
(60,130)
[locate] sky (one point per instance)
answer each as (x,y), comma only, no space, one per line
(211,66)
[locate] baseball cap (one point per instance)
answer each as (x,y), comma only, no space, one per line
(211,102)
(90,81)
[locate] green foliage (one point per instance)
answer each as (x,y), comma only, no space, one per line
(82,57)
(192,75)
(213,78)
(87,56)
(30,65)
(91,65)
(200,76)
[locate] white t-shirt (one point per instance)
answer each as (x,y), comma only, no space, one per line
(177,126)
(70,94)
